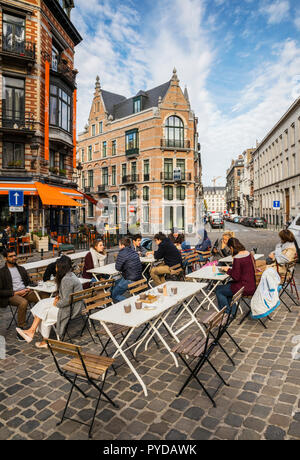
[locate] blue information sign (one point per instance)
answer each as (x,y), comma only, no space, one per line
(16,198)
(276,204)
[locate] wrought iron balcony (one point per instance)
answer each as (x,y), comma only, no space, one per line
(103,188)
(20,49)
(88,189)
(175,144)
(64,70)
(17,122)
(130,179)
(169,177)
(132,152)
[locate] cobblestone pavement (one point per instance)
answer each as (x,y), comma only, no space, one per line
(262,401)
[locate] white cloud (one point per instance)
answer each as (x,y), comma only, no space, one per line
(128,59)
(276,11)
(297,22)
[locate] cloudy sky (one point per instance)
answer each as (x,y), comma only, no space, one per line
(240,60)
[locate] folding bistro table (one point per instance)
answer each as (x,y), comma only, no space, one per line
(229,259)
(109,270)
(154,314)
(147,261)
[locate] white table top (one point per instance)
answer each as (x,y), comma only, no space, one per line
(208,274)
(147,259)
(115,314)
(109,269)
(229,259)
(46,262)
(50,286)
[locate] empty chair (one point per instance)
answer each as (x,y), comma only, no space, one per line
(82,367)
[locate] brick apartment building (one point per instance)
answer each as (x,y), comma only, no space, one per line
(141,160)
(38,112)
(233,176)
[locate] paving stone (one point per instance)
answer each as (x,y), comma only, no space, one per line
(201,434)
(175,435)
(233,420)
(273,433)
(29,426)
(294,429)
(159,428)
(210,422)
(28,401)
(194,413)
(254,424)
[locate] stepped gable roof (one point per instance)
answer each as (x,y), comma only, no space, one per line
(120,107)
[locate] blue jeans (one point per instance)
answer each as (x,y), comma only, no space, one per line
(121,286)
(224,297)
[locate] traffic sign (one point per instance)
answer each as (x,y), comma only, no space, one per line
(16,209)
(16,198)
(177,174)
(276,204)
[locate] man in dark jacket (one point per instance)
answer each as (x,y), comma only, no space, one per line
(129,264)
(14,282)
(169,253)
(6,234)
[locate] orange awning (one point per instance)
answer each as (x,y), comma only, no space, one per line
(53,196)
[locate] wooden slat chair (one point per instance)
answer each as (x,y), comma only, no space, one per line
(103,284)
(82,367)
(22,259)
(233,308)
(196,349)
(25,244)
(102,300)
(77,297)
(36,276)
(206,255)
(190,262)
(177,273)
(138,286)
(288,281)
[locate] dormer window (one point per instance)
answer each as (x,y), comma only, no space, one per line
(137,105)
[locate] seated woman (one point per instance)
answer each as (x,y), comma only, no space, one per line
(50,311)
(242,274)
(204,245)
(221,249)
(284,253)
(94,259)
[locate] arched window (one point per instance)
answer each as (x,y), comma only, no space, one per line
(168,192)
(180,193)
(146,193)
(174,132)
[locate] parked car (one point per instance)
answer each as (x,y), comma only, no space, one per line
(236,219)
(247,221)
(217,222)
(257,222)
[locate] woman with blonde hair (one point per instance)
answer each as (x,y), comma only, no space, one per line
(285,252)
(221,249)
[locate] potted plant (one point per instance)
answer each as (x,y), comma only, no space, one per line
(40,241)
(53,170)
(63,172)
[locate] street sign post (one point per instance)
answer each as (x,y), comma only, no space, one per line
(16,209)
(16,198)
(276,205)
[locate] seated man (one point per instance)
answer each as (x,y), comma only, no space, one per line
(129,264)
(14,282)
(169,253)
(136,241)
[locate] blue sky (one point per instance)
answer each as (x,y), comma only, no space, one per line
(239,59)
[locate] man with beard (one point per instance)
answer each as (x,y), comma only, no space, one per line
(14,282)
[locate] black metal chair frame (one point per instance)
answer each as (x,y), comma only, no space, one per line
(289,270)
(88,379)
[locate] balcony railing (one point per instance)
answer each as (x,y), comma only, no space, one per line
(60,66)
(88,189)
(103,188)
(17,121)
(22,49)
(132,152)
(175,144)
(169,177)
(130,179)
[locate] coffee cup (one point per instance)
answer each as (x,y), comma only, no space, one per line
(143,296)
(138,305)
(174,290)
(160,290)
(127,308)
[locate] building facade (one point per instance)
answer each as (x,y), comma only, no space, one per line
(233,176)
(246,185)
(215,199)
(141,161)
(38,112)
(277,169)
